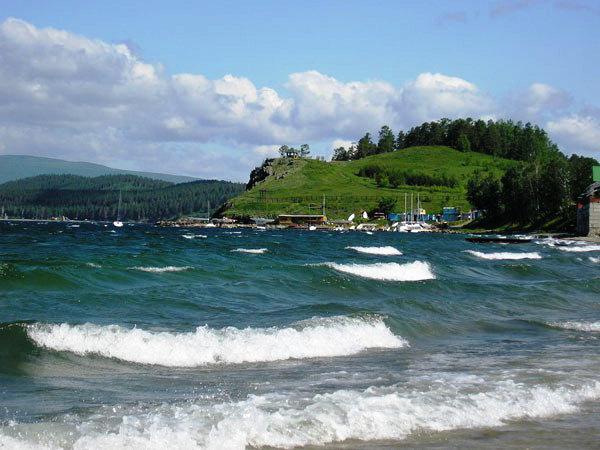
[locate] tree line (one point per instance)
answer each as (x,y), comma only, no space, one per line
(542,187)
(97,198)
(385,177)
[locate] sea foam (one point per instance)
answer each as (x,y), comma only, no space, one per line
(161,269)
(194,236)
(319,337)
(415,271)
(505,255)
(383,251)
(254,251)
(579,248)
(577,326)
(285,421)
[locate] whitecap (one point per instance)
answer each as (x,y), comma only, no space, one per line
(194,236)
(319,337)
(505,255)
(388,413)
(580,248)
(161,269)
(594,260)
(577,326)
(415,271)
(384,251)
(93,265)
(254,251)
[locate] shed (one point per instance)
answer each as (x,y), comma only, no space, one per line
(588,211)
(301,219)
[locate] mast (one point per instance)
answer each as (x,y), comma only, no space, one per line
(412,210)
(405,203)
(119,206)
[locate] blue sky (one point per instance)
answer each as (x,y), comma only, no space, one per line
(508,51)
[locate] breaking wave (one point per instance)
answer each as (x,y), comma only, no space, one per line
(318,337)
(505,255)
(194,236)
(384,251)
(415,271)
(254,251)
(161,269)
(594,260)
(377,413)
(576,326)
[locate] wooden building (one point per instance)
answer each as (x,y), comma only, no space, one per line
(294,220)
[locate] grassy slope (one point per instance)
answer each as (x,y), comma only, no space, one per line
(298,186)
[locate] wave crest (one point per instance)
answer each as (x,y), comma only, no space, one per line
(504,255)
(383,251)
(254,251)
(375,414)
(325,337)
(415,271)
(161,269)
(577,326)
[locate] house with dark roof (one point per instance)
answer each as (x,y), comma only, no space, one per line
(588,211)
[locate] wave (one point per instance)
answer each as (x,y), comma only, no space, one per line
(161,269)
(505,255)
(254,251)
(577,326)
(194,236)
(388,413)
(384,251)
(415,271)
(579,248)
(319,337)
(594,260)
(93,265)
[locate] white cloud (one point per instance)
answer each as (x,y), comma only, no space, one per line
(337,143)
(576,132)
(69,96)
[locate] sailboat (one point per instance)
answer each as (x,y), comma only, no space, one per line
(117,223)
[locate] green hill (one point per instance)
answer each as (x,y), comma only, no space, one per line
(14,167)
(298,186)
(76,197)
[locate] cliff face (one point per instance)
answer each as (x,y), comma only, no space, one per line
(260,173)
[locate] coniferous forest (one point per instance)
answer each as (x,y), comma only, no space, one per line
(97,198)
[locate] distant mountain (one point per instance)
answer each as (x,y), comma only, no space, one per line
(14,167)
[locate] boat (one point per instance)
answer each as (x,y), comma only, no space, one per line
(117,223)
(497,240)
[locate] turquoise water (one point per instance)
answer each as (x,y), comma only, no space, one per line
(143,337)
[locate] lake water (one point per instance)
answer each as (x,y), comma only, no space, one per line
(143,337)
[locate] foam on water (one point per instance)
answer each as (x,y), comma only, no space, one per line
(594,260)
(318,337)
(194,236)
(580,248)
(415,271)
(504,255)
(384,251)
(254,251)
(161,269)
(577,326)
(286,421)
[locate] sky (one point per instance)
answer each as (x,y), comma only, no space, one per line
(209,89)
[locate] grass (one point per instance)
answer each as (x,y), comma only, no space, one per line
(298,186)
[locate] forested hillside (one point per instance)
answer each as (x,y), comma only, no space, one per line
(96,198)
(14,167)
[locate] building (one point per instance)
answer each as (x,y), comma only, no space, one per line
(450,214)
(588,210)
(295,220)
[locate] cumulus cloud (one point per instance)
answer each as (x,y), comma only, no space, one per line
(77,98)
(578,132)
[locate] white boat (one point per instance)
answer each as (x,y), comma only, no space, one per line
(117,223)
